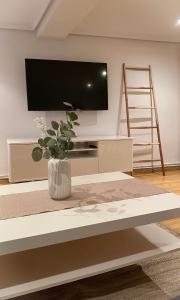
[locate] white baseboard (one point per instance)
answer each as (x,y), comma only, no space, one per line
(158,166)
(5,176)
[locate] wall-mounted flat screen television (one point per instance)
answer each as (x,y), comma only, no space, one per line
(52,82)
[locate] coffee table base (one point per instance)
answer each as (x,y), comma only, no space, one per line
(66,262)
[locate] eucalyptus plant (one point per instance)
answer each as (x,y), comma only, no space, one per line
(56,142)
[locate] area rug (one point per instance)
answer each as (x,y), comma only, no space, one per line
(164,271)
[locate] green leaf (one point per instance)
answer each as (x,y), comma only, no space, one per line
(37,153)
(46,140)
(76,123)
(61,154)
(70,145)
(69,133)
(64,126)
(68,104)
(56,149)
(51,143)
(41,142)
(70,125)
(72,115)
(51,132)
(55,125)
(47,154)
(62,139)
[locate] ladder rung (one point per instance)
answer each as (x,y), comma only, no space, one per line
(146,144)
(143,127)
(141,107)
(146,160)
(139,88)
(137,69)
(138,93)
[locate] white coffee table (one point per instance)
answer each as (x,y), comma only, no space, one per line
(30,232)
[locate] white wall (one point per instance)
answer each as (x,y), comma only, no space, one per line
(17,122)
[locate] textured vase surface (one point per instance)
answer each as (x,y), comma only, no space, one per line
(59,178)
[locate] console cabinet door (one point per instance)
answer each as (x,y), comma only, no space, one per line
(84,166)
(21,165)
(115,156)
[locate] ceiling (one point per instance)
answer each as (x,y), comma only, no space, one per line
(135,19)
(21,14)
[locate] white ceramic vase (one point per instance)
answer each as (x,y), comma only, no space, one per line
(59,178)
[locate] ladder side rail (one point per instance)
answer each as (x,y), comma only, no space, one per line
(157,121)
(126,99)
(152,122)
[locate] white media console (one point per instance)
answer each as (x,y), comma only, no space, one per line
(91,155)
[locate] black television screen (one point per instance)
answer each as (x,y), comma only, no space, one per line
(52,82)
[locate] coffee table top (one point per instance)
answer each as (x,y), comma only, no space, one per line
(44,229)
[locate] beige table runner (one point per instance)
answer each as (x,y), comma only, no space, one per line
(31,203)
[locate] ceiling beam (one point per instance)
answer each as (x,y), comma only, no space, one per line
(63,16)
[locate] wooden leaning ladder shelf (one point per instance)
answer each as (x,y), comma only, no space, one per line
(141,90)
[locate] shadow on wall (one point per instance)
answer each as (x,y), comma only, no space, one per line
(86,118)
